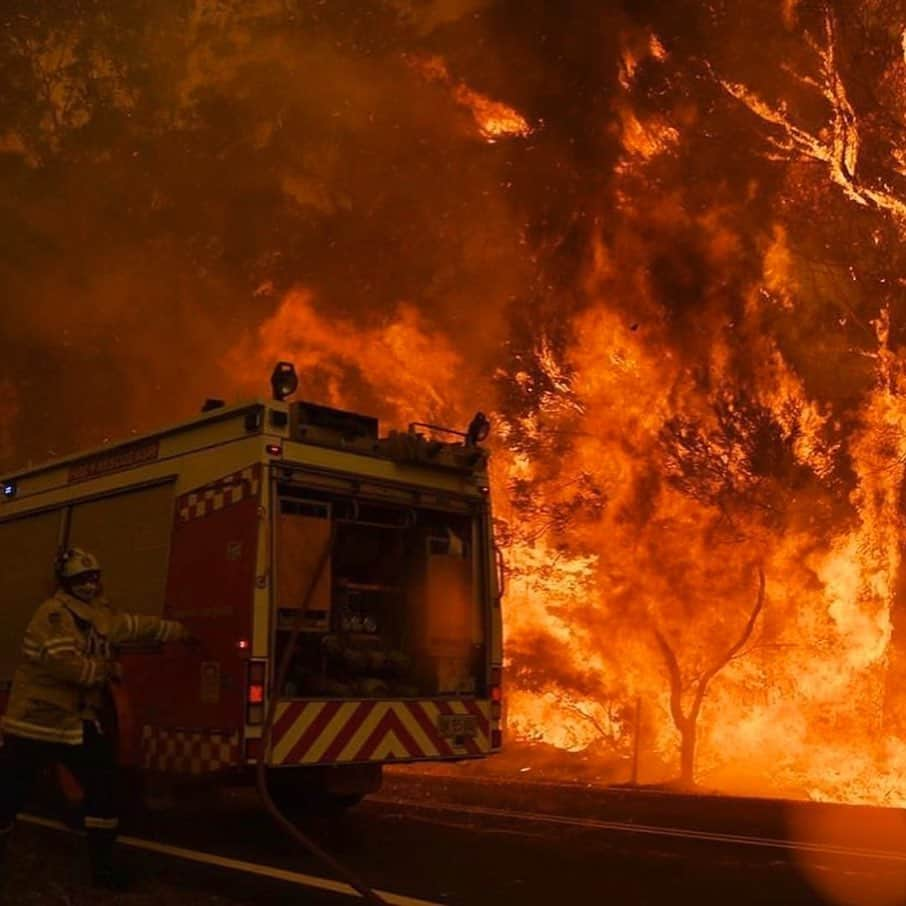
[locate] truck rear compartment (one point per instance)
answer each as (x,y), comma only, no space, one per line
(396,612)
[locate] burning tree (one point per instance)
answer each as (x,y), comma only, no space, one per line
(838,143)
(741,458)
(661,564)
(681,687)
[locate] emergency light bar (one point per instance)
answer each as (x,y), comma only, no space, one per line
(9,489)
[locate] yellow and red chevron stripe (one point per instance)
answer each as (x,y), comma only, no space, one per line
(332,732)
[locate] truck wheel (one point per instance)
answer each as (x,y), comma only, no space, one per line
(299,798)
(338,803)
(322,791)
(310,803)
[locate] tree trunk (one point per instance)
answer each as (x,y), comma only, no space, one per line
(688,731)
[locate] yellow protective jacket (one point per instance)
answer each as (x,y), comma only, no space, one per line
(66,663)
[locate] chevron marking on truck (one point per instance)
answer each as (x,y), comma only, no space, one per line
(329,732)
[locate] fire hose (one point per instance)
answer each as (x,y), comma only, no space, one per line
(341,871)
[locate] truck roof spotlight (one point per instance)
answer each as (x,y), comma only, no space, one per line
(284,380)
(479,429)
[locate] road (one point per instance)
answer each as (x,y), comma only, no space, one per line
(472,854)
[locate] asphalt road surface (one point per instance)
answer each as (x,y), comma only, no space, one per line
(455,853)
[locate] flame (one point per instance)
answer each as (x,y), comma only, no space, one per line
(494,119)
(556,719)
(635,49)
(824,664)
(399,367)
(799,711)
(646,139)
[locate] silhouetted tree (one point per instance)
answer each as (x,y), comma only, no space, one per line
(688,693)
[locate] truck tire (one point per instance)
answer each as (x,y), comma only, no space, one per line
(301,802)
(313,792)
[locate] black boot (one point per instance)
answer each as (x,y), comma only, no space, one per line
(106,872)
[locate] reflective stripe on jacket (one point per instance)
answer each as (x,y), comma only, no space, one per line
(66,663)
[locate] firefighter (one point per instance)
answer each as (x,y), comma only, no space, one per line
(57,698)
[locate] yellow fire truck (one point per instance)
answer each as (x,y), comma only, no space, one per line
(272,522)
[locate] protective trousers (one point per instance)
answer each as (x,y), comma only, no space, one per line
(93,764)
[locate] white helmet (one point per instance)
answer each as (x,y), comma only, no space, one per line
(74,562)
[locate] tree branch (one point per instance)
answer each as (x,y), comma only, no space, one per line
(838,146)
(676,678)
(744,637)
(579,712)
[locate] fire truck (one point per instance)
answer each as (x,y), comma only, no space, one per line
(271,524)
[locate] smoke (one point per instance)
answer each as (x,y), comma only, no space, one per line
(166,187)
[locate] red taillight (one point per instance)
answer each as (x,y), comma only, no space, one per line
(242,644)
(496,691)
(496,695)
(256,694)
(274,450)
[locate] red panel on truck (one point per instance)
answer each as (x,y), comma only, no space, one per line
(210,588)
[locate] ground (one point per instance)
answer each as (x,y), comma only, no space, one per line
(474,842)
(47,868)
